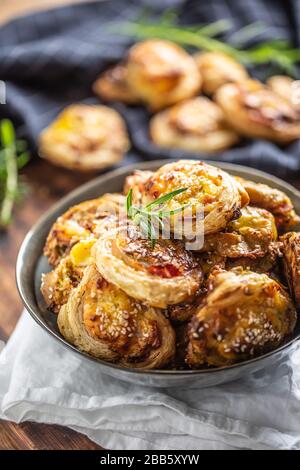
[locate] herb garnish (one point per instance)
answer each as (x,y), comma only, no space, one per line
(279,51)
(13,157)
(151,217)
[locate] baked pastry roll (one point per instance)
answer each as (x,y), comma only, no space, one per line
(85,137)
(285,87)
(254,110)
(81,222)
(112,85)
(161,73)
(162,275)
(273,200)
(196,125)
(136,182)
(291,263)
(248,236)
(245,314)
(217,68)
(213,196)
(57,284)
(264,264)
(103,321)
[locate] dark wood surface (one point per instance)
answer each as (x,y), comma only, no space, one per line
(46,185)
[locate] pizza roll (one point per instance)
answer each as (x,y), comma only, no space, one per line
(273,200)
(161,73)
(212,196)
(80,222)
(195,125)
(291,263)
(57,284)
(136,182)
(112,85)
(264,264)
(248,236)
(286,87)
(85,137)
(217,68)
(162,275)
(245,314)
(103,321)
(254,110)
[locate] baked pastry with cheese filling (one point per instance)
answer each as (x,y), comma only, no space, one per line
(248,236)
(264,264)
(80,222)
(136,182)
(103,321)
(285,87)
(85,137)
(291,263)
(161,73)
(57,284)
(244,315)
(162,275)
(217,68)
(213,196)
(273,200)
(254,110)
(195,125)
(112,85)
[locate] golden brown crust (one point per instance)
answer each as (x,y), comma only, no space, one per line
(248,236)
(78,223)
(136,182)
(286,88)
(210,191)
(103,321)
(161,73)
(57,284)
(291,263)
(85,137)
(254,110)
(164,275)
(112,85)
(273,200)
(217,69)
(196,125)
(265,264)
(245,314)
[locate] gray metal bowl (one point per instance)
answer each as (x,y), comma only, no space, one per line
(31,263)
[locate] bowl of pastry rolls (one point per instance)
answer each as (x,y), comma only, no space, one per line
(146,303)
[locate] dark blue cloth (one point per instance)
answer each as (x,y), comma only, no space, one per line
(50,59)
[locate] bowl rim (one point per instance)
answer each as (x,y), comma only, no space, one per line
(145,165)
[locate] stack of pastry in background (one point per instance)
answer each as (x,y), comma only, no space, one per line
(200,103)
(166,79)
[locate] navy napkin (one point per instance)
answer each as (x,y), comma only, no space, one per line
(50,59)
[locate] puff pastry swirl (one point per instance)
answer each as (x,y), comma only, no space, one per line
(164,275)
(211,191)
(104,322)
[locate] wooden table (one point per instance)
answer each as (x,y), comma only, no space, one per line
(46,184)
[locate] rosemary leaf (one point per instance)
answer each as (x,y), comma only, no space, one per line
(202,37)
(13,156)
(165,198)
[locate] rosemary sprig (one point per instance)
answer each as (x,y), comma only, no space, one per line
(13,156)
(202,37)
(150,218)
